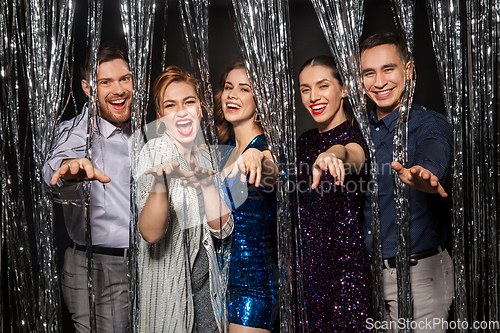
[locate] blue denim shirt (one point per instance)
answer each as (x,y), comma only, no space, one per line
(430,142)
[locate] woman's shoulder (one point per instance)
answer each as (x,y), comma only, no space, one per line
(258,142)
(348,133)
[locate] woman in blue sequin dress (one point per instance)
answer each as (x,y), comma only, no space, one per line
(249,173)
(333,179)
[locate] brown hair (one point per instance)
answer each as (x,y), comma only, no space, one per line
(329,62)
(383,38)
(107,52)
(224,127)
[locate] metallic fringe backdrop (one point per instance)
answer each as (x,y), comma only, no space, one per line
(482,151)
(36,61)
(446,32)
(18,286)
(342,24)
(45,44)
(138,27)
(262,29)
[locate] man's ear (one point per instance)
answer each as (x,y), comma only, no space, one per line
(411,73)
(86,87)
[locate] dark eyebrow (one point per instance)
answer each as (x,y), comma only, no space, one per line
(366,70)
(389,65)
(110,79)
(319,82)
(322,81)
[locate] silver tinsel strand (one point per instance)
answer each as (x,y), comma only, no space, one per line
(262,29)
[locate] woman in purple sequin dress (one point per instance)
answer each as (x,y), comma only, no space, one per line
(332,181)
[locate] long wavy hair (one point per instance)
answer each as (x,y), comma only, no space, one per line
(225,128)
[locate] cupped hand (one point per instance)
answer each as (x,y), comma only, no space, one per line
(202,176)
(170,170)
(78,169)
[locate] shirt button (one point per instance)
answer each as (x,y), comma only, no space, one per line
(377,129)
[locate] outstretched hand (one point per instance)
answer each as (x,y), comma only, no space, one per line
(197,175)
(171,170)
(419,178)
(78,169)
(328,162)
(201,176)
(250,165)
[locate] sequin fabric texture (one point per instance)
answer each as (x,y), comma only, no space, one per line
(336,266)
(253,295)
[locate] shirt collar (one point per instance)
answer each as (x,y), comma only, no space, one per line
(107,129)
(389,121)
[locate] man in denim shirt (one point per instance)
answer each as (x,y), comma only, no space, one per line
(384,65)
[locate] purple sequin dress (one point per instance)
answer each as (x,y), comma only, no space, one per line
(336,266)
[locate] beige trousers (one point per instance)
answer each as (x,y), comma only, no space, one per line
(432,292)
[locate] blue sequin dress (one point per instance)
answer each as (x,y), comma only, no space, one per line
(252,291)
(335,264)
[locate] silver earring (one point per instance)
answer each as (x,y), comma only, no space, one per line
(257,118)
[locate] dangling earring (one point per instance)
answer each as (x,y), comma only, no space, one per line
(257,118)
(161,129)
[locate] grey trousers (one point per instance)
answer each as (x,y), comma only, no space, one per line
(432,291)
(111,290)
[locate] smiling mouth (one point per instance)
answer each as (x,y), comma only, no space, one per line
(184,127)
(318,108)
(118,104)
(383,93)
(232,107)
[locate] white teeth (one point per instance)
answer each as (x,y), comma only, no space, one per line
(118,101)
(318,107)
(233,106)
(383,92)
(184,122)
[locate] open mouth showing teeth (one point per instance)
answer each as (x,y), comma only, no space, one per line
(232,107)
(383,92)
(118,103)
(184,127)
(318,108)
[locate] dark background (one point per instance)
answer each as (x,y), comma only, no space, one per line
(307,41)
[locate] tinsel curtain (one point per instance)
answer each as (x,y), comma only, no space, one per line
(482,150)
(18,286)
(138,23)
(446,32)
(36,71)
(262,30)
(35,53)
